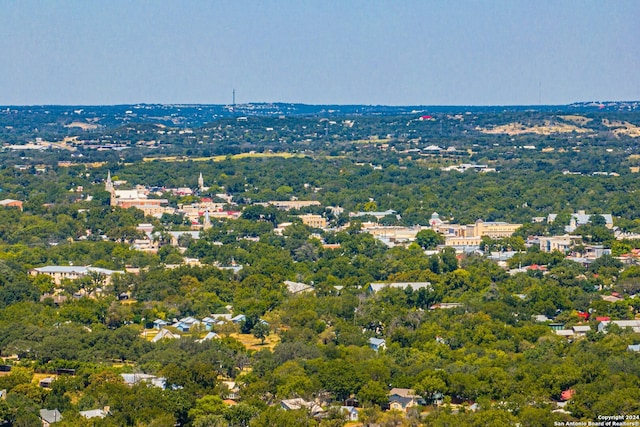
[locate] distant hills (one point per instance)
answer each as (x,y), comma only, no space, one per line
(194,115)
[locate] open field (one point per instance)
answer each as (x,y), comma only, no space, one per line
(253,343)
(579,120)
(548,128)
(82,125)
(371,141)
(622,128)
(220,158)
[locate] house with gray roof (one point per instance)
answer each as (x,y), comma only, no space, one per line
(402,399)
(95,413)
(50,416)
(415,286)
(297,287)
(633,324)
(165,334)
(377,344)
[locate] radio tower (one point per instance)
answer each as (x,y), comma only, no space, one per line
(233,104)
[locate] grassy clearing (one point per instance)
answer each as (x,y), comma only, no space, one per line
(370,141)
(252,343)
(220,158)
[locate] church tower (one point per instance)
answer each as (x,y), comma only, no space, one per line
(207,220)
(200,182)
(108,186)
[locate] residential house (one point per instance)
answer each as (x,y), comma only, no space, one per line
(282,227)
(557,243)
(297,287)
(159,324)
(133,379)
(210,322)
(596,251)
(377,344)
(350,413)
(234,390)
(581,330)
(218,319)
(299,403)
(239,318)
(582,218)
(165,334)
(211,335)
(575,331)
(633,347)
(176,235)
(57,299)
(610,298)
(46,382)
(402,399)
(11,203)
(186,324)
(446,305)
(95,413)
(415,286)
(556,326)
(566,333)
(633,324)
(50,416)
(541,318)
(567,394)
(234,268)
(534,268)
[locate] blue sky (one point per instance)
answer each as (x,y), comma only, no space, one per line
(510,52)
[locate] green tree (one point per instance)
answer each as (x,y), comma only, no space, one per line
(429,239)
(261,330)
(373,393)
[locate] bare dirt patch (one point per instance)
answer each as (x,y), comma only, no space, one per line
(622,128)
(82,125)
(579,120)
(548,128)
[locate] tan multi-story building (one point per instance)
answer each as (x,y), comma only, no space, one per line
(392,233)
(59,273)
(195,210)
(495,230)
(313,221)
(558,243)
(471,234)
(292,204)
(462,241)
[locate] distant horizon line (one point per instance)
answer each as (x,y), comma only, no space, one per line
(319,105)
